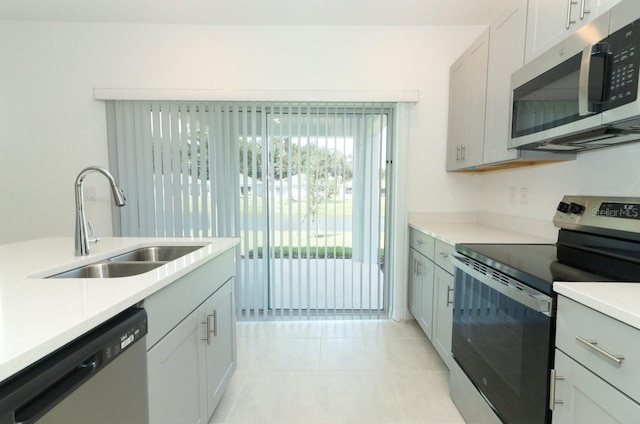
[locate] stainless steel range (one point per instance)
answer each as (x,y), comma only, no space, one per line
(504,305)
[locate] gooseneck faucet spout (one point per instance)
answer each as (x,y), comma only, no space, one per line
(82,234)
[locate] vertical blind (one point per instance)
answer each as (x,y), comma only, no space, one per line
(302,184)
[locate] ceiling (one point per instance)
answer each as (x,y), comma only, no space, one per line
(257,12)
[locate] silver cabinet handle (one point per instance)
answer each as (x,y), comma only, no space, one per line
(449,291)
(583,10)
(443,255)
(552,390)
(569,4)
(593,344)
(215,323)
(208,325)
(418,242)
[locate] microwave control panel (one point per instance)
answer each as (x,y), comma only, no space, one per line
(624,64)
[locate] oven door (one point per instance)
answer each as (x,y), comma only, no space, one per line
(503,341)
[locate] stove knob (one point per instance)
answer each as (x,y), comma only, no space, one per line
(576,208)
(563,207)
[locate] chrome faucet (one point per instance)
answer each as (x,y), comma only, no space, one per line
(84,237)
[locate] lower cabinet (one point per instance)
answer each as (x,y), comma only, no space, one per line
(191,345)
(220,325)
(443,314)
(582,397)
(430,288)
(421,291)
(596,370)
(177,374)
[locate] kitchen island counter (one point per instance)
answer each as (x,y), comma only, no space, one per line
(39,315)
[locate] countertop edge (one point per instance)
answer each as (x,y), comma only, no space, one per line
(620,304)
(454,233)
(14,363)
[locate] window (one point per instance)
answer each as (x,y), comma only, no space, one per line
(302,185)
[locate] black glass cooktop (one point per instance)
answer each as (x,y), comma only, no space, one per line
(536,265)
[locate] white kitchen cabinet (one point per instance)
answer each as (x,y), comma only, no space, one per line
(220,325)
(480,98)
(191,343)
(177,374)
(551,21)
(421,280)
(414,285)
(467,100)
(506,55)
(582,397)
(431,289)
(443,314)
(425,275)
(597,367)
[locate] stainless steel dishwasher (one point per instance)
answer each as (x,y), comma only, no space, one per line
(101,377)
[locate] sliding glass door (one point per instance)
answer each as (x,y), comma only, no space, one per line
(302,185)
(313,212)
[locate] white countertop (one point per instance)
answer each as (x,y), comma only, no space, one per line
(617,300)
(453,233)
(39,315)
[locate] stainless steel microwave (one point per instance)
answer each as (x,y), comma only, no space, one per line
(583,93)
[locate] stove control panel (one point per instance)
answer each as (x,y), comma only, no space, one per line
(605,215)
(573,208)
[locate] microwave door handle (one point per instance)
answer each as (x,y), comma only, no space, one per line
(585,102)
(583,87)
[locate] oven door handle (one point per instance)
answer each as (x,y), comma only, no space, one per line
(525,295)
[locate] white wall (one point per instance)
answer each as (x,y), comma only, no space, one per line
(50,126)
(613,172)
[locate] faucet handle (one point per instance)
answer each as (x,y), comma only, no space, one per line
(92,235)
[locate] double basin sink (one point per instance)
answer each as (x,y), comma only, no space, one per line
(135,262)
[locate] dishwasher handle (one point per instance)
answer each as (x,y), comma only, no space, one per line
(35,407)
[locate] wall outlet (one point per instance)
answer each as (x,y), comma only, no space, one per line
(512,195)
(524,196)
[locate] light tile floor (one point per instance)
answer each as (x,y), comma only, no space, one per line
(336,372)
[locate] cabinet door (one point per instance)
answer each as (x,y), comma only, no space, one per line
(425,275)
(458,112)
(443,310)
(548,23)
(477,98)
(221,348)
(467,103)
(594,8)
(415,289)
(176,374)
(506,55)
(582,397)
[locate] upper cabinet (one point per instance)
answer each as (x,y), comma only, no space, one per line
(506,55)
(480,98)
(467,100)
(551,21)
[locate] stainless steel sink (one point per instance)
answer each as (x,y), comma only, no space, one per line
(109,270)
(155,254)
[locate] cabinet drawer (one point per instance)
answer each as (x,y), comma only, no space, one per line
(578,324)
(422,242)
(442,252)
